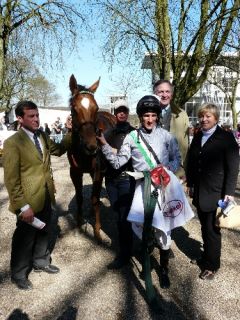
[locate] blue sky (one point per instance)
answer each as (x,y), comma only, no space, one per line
(87,66)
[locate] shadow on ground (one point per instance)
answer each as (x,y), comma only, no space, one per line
(186,244)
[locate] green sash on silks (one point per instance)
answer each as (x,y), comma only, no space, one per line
(141,149)
(149,203)
(147,236)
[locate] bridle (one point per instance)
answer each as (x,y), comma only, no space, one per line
(77,127)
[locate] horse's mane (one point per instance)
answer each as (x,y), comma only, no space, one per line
(82,88)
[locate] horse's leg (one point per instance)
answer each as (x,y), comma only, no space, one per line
(77,179)
(96,190)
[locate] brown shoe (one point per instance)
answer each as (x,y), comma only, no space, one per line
(207,275)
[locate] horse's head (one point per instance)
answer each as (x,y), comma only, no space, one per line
(84,112)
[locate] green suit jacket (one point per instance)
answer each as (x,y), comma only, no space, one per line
(26,174)
(179,127)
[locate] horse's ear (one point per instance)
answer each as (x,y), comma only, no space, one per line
(73,84)
(94,86)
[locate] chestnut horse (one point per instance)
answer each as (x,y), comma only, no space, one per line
(85,156)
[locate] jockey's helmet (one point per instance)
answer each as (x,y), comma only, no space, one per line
(149,103)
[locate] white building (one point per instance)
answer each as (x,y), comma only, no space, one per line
(47,115)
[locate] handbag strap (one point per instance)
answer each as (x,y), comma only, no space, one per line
(149,147)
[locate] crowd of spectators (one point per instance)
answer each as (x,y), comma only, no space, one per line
(57,130)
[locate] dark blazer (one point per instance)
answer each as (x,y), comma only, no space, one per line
(26,175)
(212,169)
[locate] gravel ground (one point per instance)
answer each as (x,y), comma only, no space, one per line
(85,289)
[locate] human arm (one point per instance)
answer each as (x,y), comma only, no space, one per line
(117,160)
(101,139)
(231,165)
(174,154)
(58,149)
(12,175)
(57,127)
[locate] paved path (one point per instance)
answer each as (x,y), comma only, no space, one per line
(86,290)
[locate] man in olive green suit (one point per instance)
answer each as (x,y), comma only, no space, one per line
(178,125)
(28,179)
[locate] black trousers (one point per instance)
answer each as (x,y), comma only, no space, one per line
(120,191)
(30,246)
(211,236)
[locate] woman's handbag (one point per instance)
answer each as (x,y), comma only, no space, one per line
(231,220)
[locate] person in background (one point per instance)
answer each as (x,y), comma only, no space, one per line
(226,127)
(57,130)
(237,135)
(190,133)
(29,182)
(68,125)
(120,186)
(46,129)
(3,125)
(196,128)
(212,171)
(177,124)
(166,149)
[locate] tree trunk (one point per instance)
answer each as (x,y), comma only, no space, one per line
(1,60)
(163,30)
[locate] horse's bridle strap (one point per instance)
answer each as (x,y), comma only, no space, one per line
(86,92)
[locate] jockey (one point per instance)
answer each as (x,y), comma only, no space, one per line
(167,152)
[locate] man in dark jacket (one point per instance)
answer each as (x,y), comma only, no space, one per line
(120,186)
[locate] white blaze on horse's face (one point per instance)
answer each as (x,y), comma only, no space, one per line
(85,102)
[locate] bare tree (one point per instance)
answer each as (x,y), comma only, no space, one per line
(23,81)
(185,37)
(42,91)
(37,27)
(18,71)
(229,79)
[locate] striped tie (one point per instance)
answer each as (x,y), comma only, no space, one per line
(37,144)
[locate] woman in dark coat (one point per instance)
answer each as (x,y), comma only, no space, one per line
(212,171)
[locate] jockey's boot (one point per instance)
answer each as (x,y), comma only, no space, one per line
(163,276)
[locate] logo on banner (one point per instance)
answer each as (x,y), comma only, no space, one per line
(173,208)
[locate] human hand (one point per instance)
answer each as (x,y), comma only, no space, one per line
(189,191)
(27,215)
(228,198)
(101,139)
(182,179)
